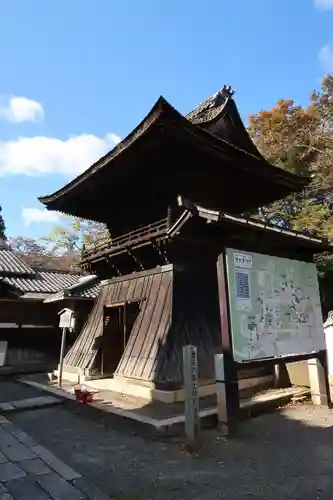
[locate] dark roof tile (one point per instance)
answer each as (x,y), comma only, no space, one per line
(90,292)
(87,287)
(10,264)
(43,281)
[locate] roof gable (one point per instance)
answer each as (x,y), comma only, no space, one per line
(219,115)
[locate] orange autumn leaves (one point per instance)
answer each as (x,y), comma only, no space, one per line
(300,139)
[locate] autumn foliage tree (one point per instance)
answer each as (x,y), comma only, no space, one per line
(300,139)
(61,248)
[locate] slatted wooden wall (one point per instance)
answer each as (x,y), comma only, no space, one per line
(176,308)
(195,321)
(154,291)
(151,328)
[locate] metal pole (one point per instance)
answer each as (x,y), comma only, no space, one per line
(62,351)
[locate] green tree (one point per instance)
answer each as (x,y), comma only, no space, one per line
(73,234)
(2,227)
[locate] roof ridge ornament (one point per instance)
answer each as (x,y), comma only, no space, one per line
(221,97)
(211,106)
(226,91)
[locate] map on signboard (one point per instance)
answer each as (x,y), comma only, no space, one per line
(274,306)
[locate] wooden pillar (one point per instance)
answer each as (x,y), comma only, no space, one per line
(277,376)
(318,376)
(230,399)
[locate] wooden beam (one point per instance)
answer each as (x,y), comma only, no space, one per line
(123,303)
(135,259)
(161,252)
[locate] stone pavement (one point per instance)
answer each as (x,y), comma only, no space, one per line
(23,404)
(29,471)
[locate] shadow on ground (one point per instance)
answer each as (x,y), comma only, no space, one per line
(287,454)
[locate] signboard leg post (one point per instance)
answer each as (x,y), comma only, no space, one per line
(222,403)
(61,359)
(190,364)
(3,351)
(318,376)
(225,366)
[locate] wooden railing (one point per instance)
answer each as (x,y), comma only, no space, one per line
(127,239)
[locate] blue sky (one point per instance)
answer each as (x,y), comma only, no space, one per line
(78,75)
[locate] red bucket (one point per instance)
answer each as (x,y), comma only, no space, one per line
(78,395)
(83,396)
(87,397)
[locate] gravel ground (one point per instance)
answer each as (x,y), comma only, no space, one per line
(287,454)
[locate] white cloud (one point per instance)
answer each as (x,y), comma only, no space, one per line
(326,57)
(20,109)
(324,4)
(114,138)
(38,215)
(44,155)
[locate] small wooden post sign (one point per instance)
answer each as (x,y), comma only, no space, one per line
(190,362)
(67,319)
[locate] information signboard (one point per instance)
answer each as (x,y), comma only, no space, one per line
(274,306)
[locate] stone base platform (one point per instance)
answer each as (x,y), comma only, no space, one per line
(128,388)
(160,416)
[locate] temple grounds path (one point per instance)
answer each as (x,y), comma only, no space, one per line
(281,455)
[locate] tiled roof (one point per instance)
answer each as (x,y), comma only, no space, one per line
(11,264)
(87,287)
(43,281)
(92,292)
(25,279)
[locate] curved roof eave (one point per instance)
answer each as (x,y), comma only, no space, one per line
(163,109)
(155,112)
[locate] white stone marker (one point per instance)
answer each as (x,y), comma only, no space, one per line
(190,366)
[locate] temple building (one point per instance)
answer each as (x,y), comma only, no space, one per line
(30,300)
(173,195)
